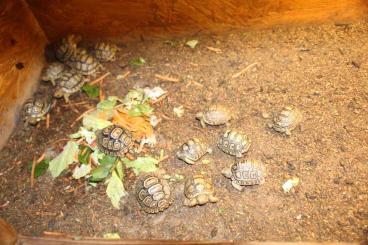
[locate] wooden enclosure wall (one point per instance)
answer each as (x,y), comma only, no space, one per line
(154,18)
(21,57)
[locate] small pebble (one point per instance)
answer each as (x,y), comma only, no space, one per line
(265,115)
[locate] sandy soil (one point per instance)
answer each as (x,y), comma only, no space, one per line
(323,70)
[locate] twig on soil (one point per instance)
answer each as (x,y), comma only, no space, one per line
(57,141)
(167,78)
(74,104)
(81,116)
(163,158)
(193,82)
(166,117)
(40,158)
(101,94)
(48,120)
(33,170)
(238,74)
(121,77)
(216,50)
(160,98)
(100,79)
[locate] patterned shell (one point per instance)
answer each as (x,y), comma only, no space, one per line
(34,109)
(287,120)
(248,172)
(198,185)
(52,72)
(105,51)
(193,150)
(216,115)
(83,63)
(114,140)
(153,193)
(234,143)
(67,48)
(70,82)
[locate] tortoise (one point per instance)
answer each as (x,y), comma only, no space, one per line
(154,194)
(67,47)
(113,140)
(234,143)
(104,51)
(52,72)
(69,83)
(214,115)
(245,173)
(193,150)
(35,109)
(199,190)
(83,63)
(287,120)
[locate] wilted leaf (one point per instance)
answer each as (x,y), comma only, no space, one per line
(40,168)
(66,157)
(133,97)
(89,136)
(179,111)
(137,62)
(115,190)
(107,105)
(142,164)
(103,170)
(289,184)
(119,170)
(141,110)
(139,126)
(92,91)
(81,171)
(97,155)
(96,120)
(84,154)
(154,93)
(192,43)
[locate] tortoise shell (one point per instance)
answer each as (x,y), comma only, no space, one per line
(71,82)
(35,109)
(83,63)
(52,72)
(215,115)
(234,143)
(154,194)
(67,47)
(104,51)
(199,190)
(246,172)
(287,120)
(192,150)
(114,140)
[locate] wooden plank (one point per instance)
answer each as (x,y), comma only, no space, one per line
(157,18)
(23,240)
(8,235)
(21,57)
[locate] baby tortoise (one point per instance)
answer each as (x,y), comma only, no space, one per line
(193,150)
(244,173)
(69,83)
(83,63)
(67,47)
(286,120)
(199,190)
(154,194)
(214,115)
(52,72)
(114,141)
(104,51)
(234,143)
(35,109)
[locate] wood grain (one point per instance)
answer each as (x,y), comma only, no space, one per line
(21,57)
(157,18)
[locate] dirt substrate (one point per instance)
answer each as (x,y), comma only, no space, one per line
(323,70)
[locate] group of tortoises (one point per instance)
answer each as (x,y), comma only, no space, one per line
(155,194)
(68,74)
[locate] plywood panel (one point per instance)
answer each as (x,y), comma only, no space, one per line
(153,18)
(21,57)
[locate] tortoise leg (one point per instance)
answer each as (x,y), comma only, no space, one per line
(189,161)
(239,155)
(202,199)
(190,202)
(287,132)
(236,186)
(53,82)
(66,98)
(213,199)
(203,124)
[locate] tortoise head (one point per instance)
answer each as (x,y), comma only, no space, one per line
(199,115)
(58,93)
